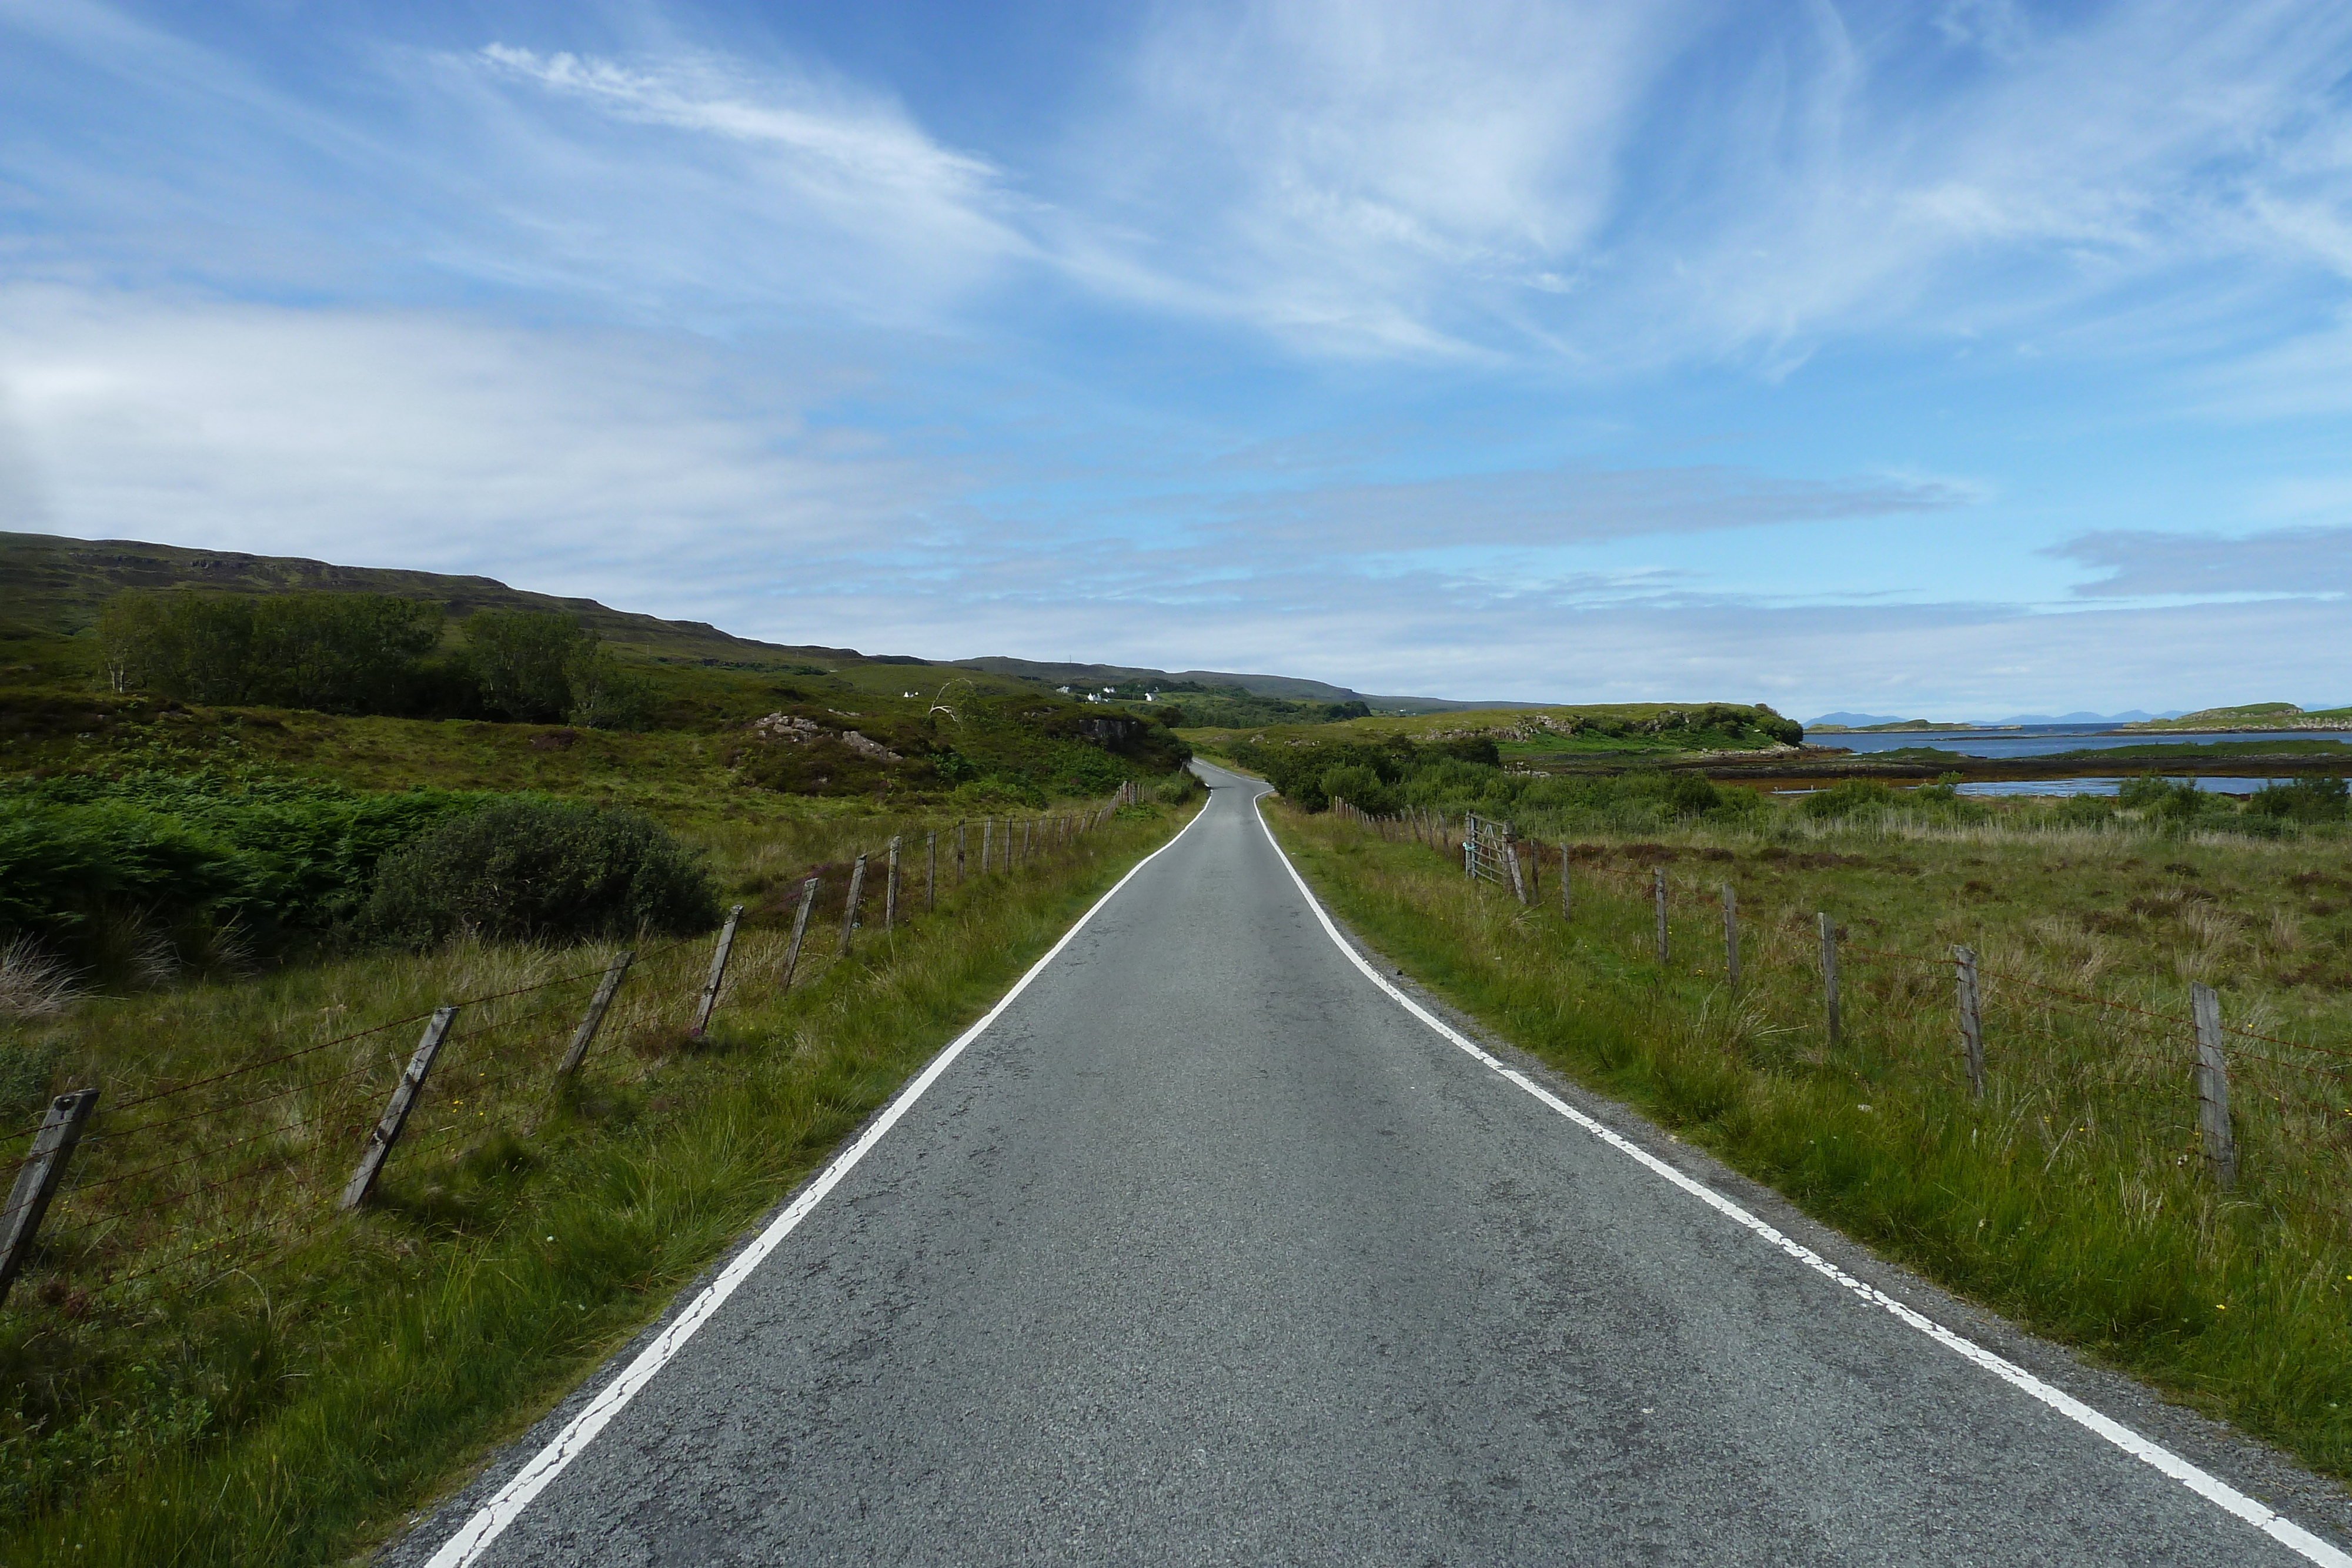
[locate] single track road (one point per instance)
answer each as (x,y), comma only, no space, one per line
(1213,1244)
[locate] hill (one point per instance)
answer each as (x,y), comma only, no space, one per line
(1287,688)
(719,713)
(2254,715)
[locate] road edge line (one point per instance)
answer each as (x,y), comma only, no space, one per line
(490,1520)
(2213,1489)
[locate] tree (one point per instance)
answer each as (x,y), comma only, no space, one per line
(523,660)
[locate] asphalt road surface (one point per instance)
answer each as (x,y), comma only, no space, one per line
(1208,1251)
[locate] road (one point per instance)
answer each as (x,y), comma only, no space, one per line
(1207,1250)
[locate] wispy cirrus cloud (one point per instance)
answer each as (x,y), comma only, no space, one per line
(2143,564)
(1537,509)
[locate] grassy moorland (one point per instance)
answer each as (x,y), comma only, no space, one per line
(1648,731)
(229,910)
(2073,1198)
(207,1365)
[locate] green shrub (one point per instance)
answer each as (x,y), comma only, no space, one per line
(1360,788)
(190,856)
(2301,800)
(1846,796)
(1693,794)
(2084,812)
(541,871)
(2169,801)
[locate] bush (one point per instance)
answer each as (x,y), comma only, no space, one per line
(1846,796)
(1360,788)
(1692,794)
(2301,800)
(2084,812)
(2168,800)
(192,856)
(541,871)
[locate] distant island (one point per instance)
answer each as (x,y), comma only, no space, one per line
(2252,715)
(1828,725)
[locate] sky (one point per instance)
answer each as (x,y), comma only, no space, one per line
(1952,358)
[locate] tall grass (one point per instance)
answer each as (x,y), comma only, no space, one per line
(2073,1198)
(210,1366)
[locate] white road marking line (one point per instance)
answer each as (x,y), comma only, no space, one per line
(468,1545)
(2211,1489)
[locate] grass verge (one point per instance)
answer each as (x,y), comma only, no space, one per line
(292,1409)
(2071,1199)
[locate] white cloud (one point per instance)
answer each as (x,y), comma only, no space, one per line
(2302,562)
(1641,182)
(623,465)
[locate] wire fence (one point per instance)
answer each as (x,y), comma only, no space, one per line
(2198,1061)
(140,1185)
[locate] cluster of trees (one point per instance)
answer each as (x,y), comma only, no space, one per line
(1711,727)
(365,653)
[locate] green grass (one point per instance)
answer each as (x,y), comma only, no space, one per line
(294,1392)
(2073,1198)
(1526,734)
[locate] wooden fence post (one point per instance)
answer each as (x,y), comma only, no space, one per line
(959,857)
(849,909)
(890,888)
(1829,976)
(717,973)
(1658,884)
(1518,883)
(987,833)
(930,869)
(593,1020)
(1730,936)
(1566,909)
(2213,1088)
(395,1111)
(1964,977)
(800,929)
(38,1179)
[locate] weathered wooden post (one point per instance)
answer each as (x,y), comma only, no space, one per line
(1511,852)
(1566,909)
(849,909)
(959,857)
(930,869)
(1658,885)
(800,929)
(1829,976)
(1730,936)
(2213,1088)
(593,1018)
(1964,980)
(718,955)
(890,888)
(38,1179)
(395,1111)
(987,833)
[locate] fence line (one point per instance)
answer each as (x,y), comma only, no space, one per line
(1488,851)
(74,1215)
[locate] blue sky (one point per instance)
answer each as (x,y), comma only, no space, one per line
(1952,358)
